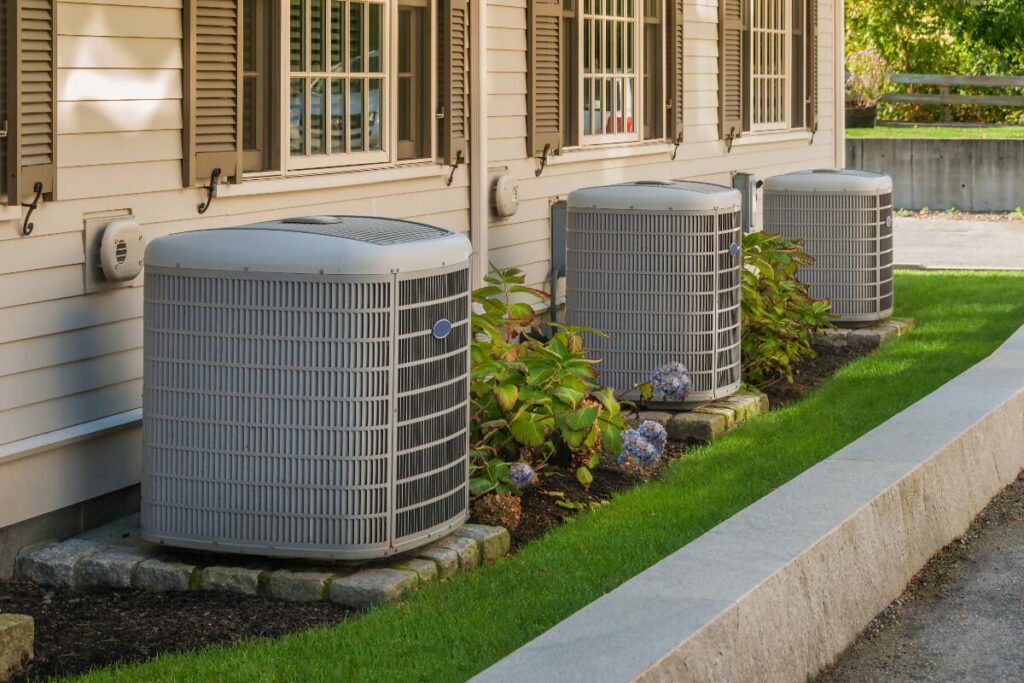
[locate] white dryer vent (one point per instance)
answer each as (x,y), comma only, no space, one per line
(845,219)
(306,387)
(656,265)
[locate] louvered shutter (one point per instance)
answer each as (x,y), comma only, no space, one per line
(545,91)
(31,99)
(675,66)
(9,59)
(453,62)
(811,87)
(732,27)
(213,100)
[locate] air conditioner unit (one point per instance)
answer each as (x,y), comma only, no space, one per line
(844,218)
(306,387)
(656,265)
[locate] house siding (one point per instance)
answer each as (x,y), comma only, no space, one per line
(67,357)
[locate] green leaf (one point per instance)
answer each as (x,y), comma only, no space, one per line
(574,438)
(606,397)
(585,477)
(480,485)
(569,395)
(611,439)
(582,418)
(646,390)
(526,431)
(569,505)
(506,395)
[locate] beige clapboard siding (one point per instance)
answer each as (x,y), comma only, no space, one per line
(115,117)
(119,21)
(118,148)
(62,315)
(44,284)
(106,85)
(93,52)
(44,251)
(158,4)
(68,347)
(40,418)
(136,178)
(56,381)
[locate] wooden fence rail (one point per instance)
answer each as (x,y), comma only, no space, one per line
(945,82)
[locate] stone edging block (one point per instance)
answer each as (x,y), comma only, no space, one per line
(17,639)
(873,335)
(708,422)
(79,563)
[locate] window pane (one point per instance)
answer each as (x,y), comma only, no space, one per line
(249,36)
(355,33)
(587,108)
(588,26)
(375,113)
(337,36)
(337,116)
(318,117)
(297,116)
(249,113)
(317,27)
(376,38)
(298,43)
(355,107)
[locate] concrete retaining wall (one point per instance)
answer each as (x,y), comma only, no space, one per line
(970,175)
(778,591)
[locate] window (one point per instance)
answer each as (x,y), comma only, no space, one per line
(311,85)
(598,71)
(767,65)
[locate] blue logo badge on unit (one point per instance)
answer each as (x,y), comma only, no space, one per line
(441,329)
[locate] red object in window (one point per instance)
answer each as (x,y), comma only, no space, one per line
(610,128)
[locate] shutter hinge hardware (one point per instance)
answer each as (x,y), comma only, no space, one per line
(729,139)
(28,226)
(675,150)
(814,131)
(459,158)
(3,133)
(210,189)
(543,159)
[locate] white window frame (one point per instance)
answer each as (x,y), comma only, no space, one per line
(637,76)
(387,157)
(778,116)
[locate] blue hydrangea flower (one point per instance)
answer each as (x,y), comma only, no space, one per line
(643,446)
(673,381)
(522,475)
(655,433)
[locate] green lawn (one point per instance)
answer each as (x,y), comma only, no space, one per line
(939,132)
(450,631)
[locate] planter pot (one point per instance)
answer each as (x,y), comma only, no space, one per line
(861,117)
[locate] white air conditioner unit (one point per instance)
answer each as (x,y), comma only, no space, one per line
(844,218)
(656,265)
(306,387)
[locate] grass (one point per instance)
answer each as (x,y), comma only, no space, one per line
(452,630)
(939,132)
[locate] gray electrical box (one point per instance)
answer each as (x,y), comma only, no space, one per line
(748,185)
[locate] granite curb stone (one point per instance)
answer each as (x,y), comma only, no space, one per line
(494,541)
(446,559)
(372,587)
(108,568)
(17,639)
(298,586)
(54,564)
(426,570)
(230,580)
(873,335)
(159,576)
(707,422)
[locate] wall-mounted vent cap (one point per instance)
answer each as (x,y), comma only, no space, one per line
(121,251)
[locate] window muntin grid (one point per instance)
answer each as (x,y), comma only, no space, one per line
(338,85)
(770,70)
(609,84)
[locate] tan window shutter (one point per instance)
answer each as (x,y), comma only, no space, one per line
(732,26)
(9,60)
(31,120)
(675,65)
(812,65)
(212,102)
(545,88)
(453,64)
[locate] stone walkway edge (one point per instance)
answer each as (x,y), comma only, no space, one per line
(779,590)
(115,556)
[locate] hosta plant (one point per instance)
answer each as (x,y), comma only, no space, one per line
(534,399)
(780,318)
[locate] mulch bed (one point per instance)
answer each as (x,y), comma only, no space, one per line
(76,632)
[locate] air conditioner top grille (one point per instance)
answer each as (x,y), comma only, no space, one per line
(379,231)
(658,196)
(318,245)
(830,180)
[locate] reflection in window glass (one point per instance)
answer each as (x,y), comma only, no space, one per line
(297,116)
(376,37)
(317,25)
(356,116)
(374,113)
(609,73)
(337,35)
(337,116)
(297,50)
(355,37)
(318,118)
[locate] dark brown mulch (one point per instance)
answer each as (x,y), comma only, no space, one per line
(813,372)
(76,632)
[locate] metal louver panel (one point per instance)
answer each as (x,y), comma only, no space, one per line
(849,233)
(665,286)
(216,85)
(317,415)
(545,91)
